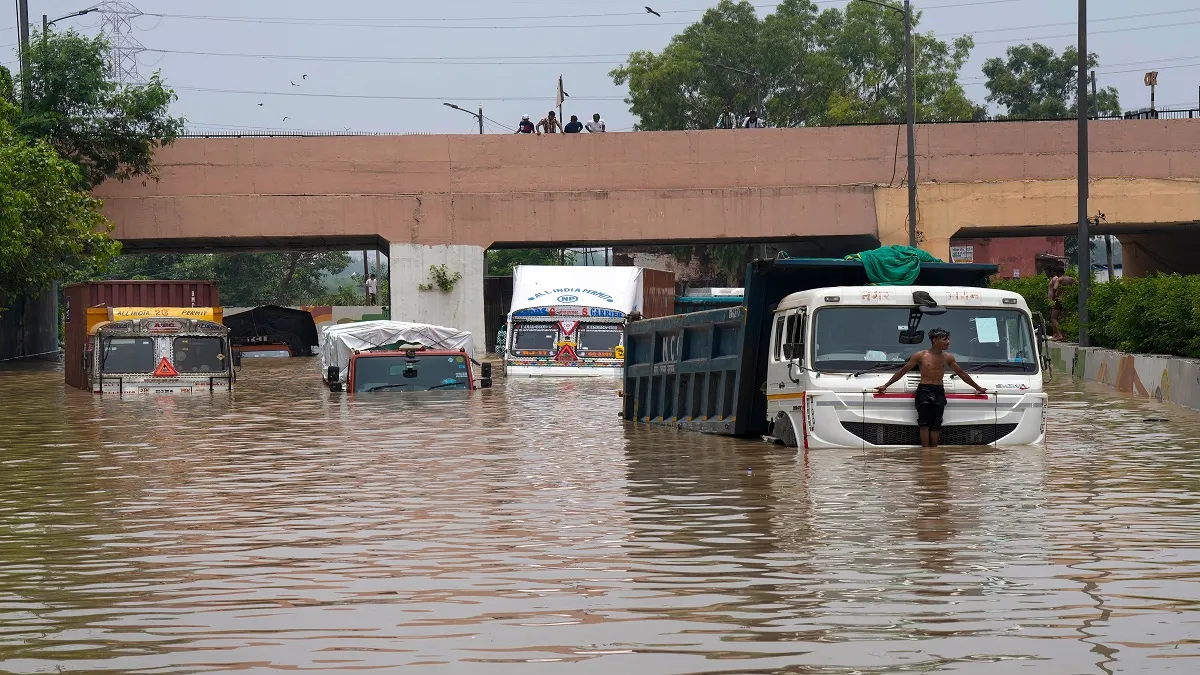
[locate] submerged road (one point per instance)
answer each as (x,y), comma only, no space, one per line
(526,530)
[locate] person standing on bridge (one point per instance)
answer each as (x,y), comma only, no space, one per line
(727,120)
(549,124)
(525,126)
(1058,279)
(596,126)
(753,121)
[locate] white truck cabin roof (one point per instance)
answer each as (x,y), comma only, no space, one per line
(902,296)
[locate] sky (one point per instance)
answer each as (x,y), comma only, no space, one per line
(388,66)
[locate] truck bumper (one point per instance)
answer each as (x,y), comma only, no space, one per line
(612,373)
(840,420)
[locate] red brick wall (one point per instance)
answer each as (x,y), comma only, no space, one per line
(1012,253)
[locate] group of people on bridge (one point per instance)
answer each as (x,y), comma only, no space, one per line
(550,124)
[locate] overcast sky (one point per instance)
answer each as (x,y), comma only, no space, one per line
(387,65)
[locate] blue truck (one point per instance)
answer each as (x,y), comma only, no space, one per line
(800,357)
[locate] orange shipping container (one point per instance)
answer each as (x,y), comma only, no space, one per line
(103,294)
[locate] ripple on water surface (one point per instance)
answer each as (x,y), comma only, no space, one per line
(525,529)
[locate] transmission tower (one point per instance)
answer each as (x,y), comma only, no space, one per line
(116,24)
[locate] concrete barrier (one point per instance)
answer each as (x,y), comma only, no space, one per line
(1171,379)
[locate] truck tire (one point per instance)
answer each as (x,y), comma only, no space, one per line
(784,431)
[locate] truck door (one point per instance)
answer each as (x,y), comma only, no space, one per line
(785,371)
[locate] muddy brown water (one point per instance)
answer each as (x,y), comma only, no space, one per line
(526,529)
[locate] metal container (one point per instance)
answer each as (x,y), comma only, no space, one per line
(104,294)
(658,293)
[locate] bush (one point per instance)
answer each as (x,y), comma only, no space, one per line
(1151,315)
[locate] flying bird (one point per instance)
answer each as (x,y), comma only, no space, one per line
(285,119)
(654,12)
(260,105)
(293,83)
(304,77)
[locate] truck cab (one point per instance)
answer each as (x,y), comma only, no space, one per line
(831,347)
(414,369)
(170,354)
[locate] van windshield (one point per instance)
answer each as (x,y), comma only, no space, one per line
(420,373)
(854,338)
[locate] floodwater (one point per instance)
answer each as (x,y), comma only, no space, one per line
(526,530)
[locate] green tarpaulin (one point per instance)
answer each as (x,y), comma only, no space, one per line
(893,265)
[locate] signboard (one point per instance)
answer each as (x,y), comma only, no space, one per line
(164,326)
(1016,273)
(962,254)
(122,313)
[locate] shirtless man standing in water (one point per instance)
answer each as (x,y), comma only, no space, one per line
(931,395)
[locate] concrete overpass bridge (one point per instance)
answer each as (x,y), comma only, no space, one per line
(429,200)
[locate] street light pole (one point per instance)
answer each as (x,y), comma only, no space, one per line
(1085,240)
(478,116)
(911,114)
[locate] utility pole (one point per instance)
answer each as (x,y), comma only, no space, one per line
(478,116)
(1094,104)
(23,48)
(1085,240)
(1108,238)
(912,123)
(480,119)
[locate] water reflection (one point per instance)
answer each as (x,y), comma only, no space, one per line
(510,530)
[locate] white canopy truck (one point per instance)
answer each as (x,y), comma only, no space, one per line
(569,321)
(801,359)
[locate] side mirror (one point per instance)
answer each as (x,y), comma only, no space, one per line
(912,337)
(237,359)
(334,374)
(485,375)
(793,350)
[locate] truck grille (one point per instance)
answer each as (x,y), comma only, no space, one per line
(909,434)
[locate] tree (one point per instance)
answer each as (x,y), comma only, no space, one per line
(1036,83)
(810,68)
(500,262)
(50,229)
(246,279)
(109,130)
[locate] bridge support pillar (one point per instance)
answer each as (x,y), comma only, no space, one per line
(460,307)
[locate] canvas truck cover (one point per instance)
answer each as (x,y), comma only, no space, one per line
(341,341)
(613,288)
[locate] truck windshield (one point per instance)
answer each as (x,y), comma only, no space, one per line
(127,355)
(399,373)
(599,339)
(200,354)
(854,338)
(535,336)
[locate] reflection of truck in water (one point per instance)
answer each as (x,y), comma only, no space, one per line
(146,337)
(568,320)
(399,356)
(799,360)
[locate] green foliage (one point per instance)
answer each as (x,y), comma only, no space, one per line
(1036,83)
(500,262)
(107,129)
(441,279)
(246,279)
(813,68)
(50,229)
(1152,315)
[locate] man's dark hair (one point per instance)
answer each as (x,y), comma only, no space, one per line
(574,118)
(938,334)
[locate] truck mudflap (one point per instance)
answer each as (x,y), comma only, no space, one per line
(861,420)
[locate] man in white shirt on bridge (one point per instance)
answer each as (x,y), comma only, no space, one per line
(596,125)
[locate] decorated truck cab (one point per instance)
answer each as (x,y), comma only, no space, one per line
(162,351)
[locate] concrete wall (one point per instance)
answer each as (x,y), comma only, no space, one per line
(1164,378)
(1161,252)
(461,307)
(656,186)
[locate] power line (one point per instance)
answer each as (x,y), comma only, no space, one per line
(384,97)
(1090,32)
(434,60)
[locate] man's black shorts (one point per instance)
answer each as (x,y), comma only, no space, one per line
(931,403)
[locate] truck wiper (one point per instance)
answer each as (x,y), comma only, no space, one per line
(985,366)
(389,386)
(444,384)
(879,366)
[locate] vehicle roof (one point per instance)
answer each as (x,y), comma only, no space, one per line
(416,352)
(899,296)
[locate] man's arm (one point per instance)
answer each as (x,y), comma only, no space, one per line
(962,374)
(912,363)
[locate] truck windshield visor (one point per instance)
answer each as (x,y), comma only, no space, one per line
(599,338)
(855,338)
(399,373)
(200,355)
(127,355)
